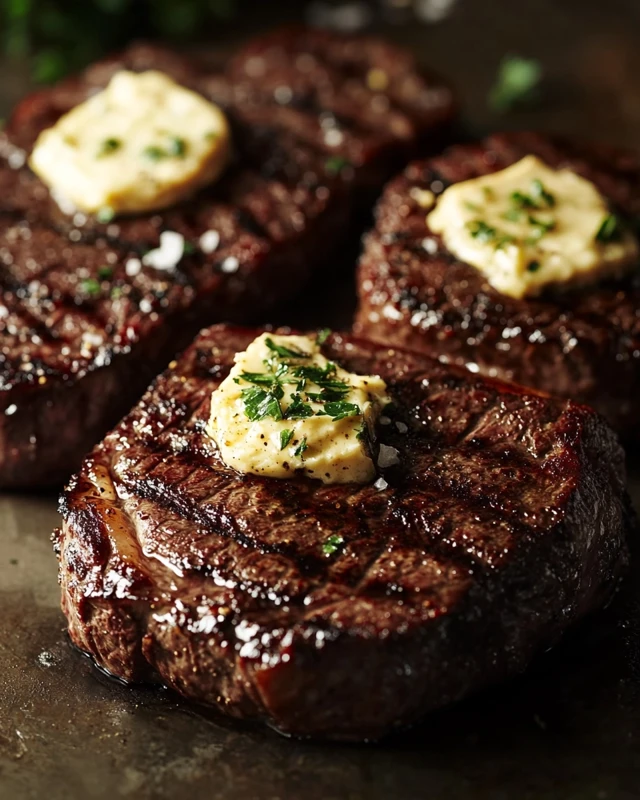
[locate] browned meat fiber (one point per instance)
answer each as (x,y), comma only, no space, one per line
(583,344)
(82,334)
(504,522)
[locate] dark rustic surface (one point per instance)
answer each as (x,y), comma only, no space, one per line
(568,729)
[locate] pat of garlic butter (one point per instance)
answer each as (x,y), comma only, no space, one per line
(530,226)
(141,144)
(268,417)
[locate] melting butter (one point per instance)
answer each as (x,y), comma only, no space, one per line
(142,144)
(529,226)
(284,409)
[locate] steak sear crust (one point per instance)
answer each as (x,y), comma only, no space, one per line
(583,344)
(77,348)
(504,522)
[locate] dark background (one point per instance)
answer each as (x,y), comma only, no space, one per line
(568,729)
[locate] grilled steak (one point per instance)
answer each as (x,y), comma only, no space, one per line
(583,344)
(83,330)
(504,522)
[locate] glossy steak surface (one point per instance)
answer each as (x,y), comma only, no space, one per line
(583,344)
(84,326)
(503,523)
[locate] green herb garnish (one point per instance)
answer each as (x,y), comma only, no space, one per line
(259,404)
(262,398)
(105,214)
(323,335)
(90,286)
(540,195)
(177,147)
(108,146)
(512,215)
(298,409)
(261,378)
(610,230)
(324,377)
(301,448)
(285,352)
(285,438)
(332,544)
(533,266)
(104,273)
(521,200)
(481,231)
(340,410)
(336,164)
(503,239)
(516,82)
(154,153)
(546,225)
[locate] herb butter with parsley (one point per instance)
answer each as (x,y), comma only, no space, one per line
(284,409)
(529,226)
(141,144)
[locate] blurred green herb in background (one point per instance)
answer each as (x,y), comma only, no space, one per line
(59,36)
(517,81)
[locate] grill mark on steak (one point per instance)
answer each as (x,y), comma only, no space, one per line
(248,222)
(280,212)
(505,521)
(583,344)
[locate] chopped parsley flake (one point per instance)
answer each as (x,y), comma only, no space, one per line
(544,226)
(323,335)
(512,215)
(177,147)
(108,147)
(340,410)
(301,448)
(516,82)
(533,266)
(105,214)
(262,378)
(481,231)
(540,195)
(154,153)
(90,286)
(285,352)
(285,438)
(259,404)
(324,377)
(298,409)
(332,544)
(610,230)
(104,273)
(336,164)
